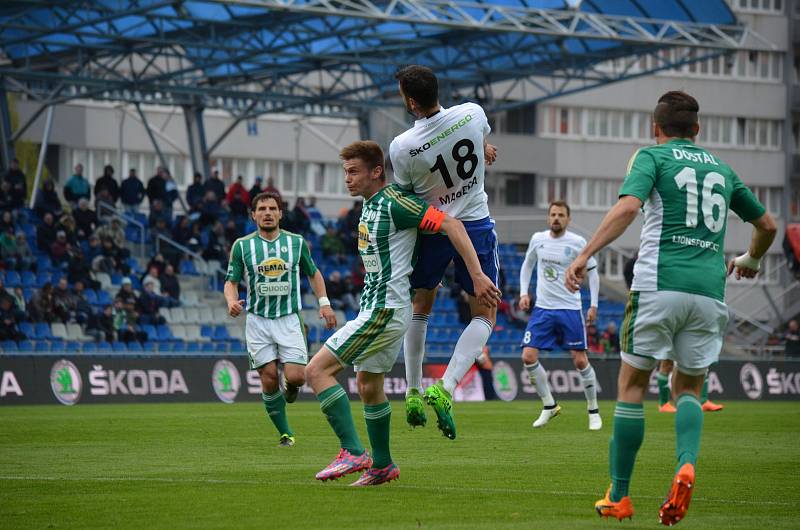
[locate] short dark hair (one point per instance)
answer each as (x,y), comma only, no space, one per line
(366,150)
(420,84)
(263,196)
(560,203)
(676,114)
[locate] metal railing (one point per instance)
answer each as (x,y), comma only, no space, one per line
(123,217)
(213,272)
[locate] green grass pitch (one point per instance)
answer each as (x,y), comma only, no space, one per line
(218,466)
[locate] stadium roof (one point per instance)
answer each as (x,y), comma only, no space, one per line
(336,56)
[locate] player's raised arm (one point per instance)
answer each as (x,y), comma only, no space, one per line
(525,274)
(613,225)
(485,290)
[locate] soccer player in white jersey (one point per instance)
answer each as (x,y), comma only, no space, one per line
(676,307)
(387,238)
(557,313)
(272,259)
(442,159)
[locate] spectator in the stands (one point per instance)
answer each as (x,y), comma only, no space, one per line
(59,247)
(112,230)
(610,339)
(9,320)
(125,324)
(791,338)
(231,231)
(77,186)
(158,262)
(64,303)
(126,295)
(7,221)
(79,269)
(594,340)
(83,311)
(255,189)
(332,245)
(3,292)
(349,294)
(215,184)
(19,186)
(107,183)
(182,230)
(47,200)
(157,187)
(152,277)
(67,224)
(312,209)
(238,198)
(210,209)
(85,219)
(351,221)
(8,247)
(40,307)
(357,275)
(300,217)
(101,325)
(6,199)
(335,289)
(104,205)
(46,232)
(172,195)
(131,192)
(19,301)
(287,222)
(158,210)
(111,258)
(270,187)
(627,270)
(217,246)
(148,305)
(94,249)
(195,192)
(170,286)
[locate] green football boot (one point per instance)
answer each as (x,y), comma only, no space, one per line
(441,401)
(415,409)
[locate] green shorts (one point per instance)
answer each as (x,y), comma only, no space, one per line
(371,341)
(684,327)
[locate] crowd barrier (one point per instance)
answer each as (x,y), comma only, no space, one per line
(86,379)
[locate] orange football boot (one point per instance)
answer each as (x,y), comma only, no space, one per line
(606,508)
(674,508)
(667,407)
(710,406)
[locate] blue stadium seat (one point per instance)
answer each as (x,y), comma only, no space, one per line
(72,346)
(89,347)
(91,296)
(134,346)
(116,278)
(43,263)
(25,346)
(43,331)
(187,267)
(164,347)
(28,279)
(27,329)
(41,346)
(152,333)
(236,346)
(193,347)
(148,346)
(55,276)
(13,279)
(178,345)
(206,331)
(42,278)
(208,347)
(8,346)
(57,346)
(221,347)
(164,333)
(221,333)
(103,346)
(119,347)
(103,298)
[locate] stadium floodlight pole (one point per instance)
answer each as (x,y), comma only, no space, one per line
(48,124)
(296,167)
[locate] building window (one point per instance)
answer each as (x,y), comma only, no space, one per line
(521,189)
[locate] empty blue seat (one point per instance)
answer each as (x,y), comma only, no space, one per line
(152,334)
(148,346)
(42,278)
(206,331)
(119,347)
(72,346)
(90,347)
(221,333)
(27,329)
(57,346)
(41,346)
(103,298)
(28,279)
(43,263)
(236,346)
(116,278)
(55,276)
(13,279)
(193,347)
(221,347)
(134,346)
(164,333)
(25,346)
(9,346)
(43,331)
(164,347)
(208,347)
(91,296)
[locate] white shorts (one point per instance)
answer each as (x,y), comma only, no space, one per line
(281,338)
(684,327)
(371,341)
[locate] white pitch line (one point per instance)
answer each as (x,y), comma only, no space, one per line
(309,482)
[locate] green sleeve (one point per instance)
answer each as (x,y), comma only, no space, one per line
(407,209)
(235,264)
(641,176)
(744,203)
(307,264)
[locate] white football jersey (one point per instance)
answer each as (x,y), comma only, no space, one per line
(441,160)
(551,256)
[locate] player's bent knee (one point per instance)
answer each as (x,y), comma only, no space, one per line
(530,355)
(580,359)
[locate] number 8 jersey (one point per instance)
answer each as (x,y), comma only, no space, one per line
(441,160)
(687,193)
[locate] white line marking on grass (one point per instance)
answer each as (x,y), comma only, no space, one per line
(311,482)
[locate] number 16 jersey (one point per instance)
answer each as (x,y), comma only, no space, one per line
(687,193)
(441,160)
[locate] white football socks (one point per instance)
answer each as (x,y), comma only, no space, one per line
(589,386)
(538,377)
(470,344)
(414,350)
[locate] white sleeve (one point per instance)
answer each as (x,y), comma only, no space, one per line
(526,271)
(594,287)
(592,263)
(487,129)
(400,168)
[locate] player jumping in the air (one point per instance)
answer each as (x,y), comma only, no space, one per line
(387,237)
(272,260)
(442,159)
(676,306)
(557,312)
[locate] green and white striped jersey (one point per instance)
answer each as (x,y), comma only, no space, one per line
(687,193)
(387,241)
(273,272)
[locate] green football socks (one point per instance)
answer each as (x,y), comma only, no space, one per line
(378,418)
(275,405)
(688,429)
(704,392)
(663,388)
(336,407)
(625,442)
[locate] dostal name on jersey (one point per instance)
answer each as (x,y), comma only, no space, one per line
(683,154)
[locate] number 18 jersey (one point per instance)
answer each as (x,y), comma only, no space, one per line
(441,160)
(687,193)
